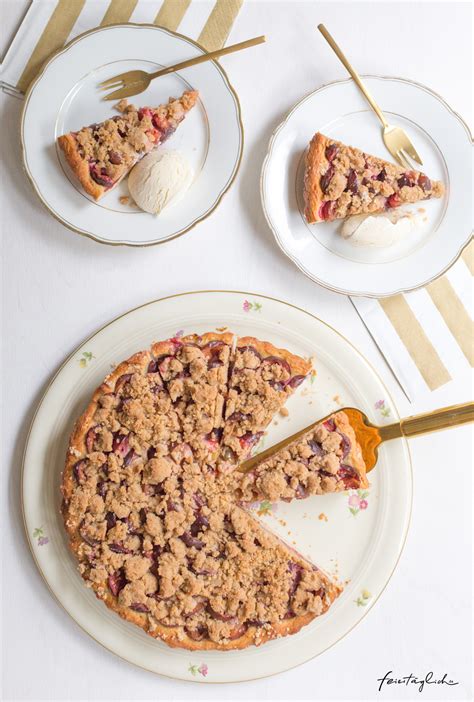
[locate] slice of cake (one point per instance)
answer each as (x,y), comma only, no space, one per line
(341,181)
(102,154)
(326,459)
(263,378)
(195,372)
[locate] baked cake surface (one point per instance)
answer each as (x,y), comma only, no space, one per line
(152,512)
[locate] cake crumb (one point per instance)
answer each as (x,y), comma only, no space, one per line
(337,400)
(221,329)
(122,105)
(284,412)
(124,200)
(322,517)
(283,523)
(421,210)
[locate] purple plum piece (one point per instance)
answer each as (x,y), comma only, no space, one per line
(296,571)
(345,444)
(198,633)
(296,381)
(90,439)
(79,470)
(117,582)
(120,444)
(102,488)
(316,447)
(120,382)
(349,476)
(199,524)
(129,457)
(118,548)
(191,541)
(111,520)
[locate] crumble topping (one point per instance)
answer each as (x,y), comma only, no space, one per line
(159,535)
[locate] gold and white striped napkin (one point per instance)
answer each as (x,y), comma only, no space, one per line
(49,24)
(425,336)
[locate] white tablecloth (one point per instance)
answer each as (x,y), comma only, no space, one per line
(59,287)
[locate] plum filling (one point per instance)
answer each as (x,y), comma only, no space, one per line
(326,209)
(90,439)
(111,520)
(296,381)
(120,382)
(424,182)
(119,548)
(249,440)
(191,541)
(331,152)
(330,424)
(117,582)
(139,607)
(198,633)
(316,447)
(79,471)
(345,444)
(296,571)
(326,179)
(349,476)
(102,488)
(199,524)
(129,457)
(120,444)
(101,178)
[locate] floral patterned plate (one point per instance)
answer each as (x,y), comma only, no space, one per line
(356,536)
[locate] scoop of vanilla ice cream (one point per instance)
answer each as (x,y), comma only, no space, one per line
(158,179)
(380,230)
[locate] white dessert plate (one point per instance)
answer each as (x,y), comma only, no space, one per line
(356,536)
(64,97)
(339,110)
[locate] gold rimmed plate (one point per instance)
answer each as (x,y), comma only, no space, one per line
(358,539)
(64,97)
(444,225)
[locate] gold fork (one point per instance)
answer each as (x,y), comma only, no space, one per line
(395,138)
(370,436)
(135,82)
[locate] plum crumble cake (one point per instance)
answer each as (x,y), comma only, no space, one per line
(341,181)
(102,154)
(262,379)
(159,531)
(326,459)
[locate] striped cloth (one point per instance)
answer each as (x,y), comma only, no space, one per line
(425,336)
(49,24)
